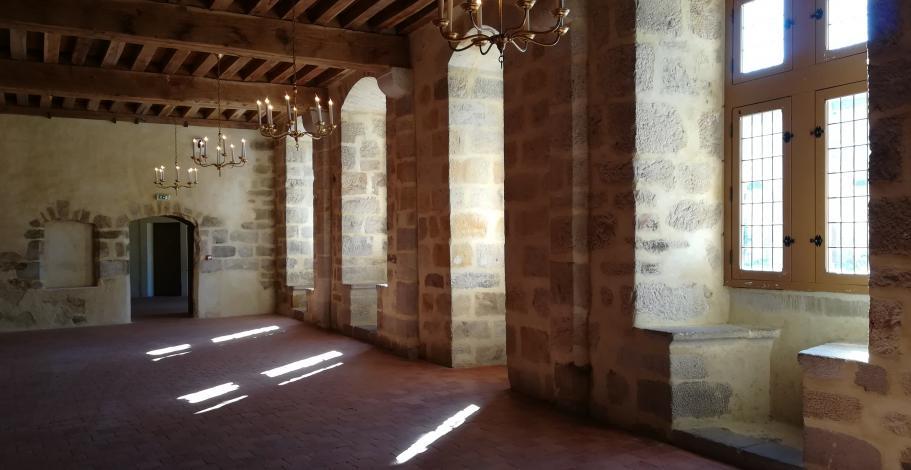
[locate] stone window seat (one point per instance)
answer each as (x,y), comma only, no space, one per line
(713,332)
(842,352)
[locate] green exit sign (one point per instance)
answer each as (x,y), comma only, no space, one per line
(162,197)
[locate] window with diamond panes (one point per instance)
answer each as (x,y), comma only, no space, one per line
(762,192)
(847,186)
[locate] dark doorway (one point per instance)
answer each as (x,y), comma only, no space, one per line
(166,266)
(161,268)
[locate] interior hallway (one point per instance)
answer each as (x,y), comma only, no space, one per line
(94,398)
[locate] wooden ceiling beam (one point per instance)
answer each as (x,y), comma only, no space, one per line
(234,68)
(334,9)
(51,48)
(112,56)
(17,44)
(220,4)
(205,66)
(122,116)
(358,19)
(167,25)
(121,85)
(80,51)
(260,71)
(395,18)
(176,60)
(298,8)
(143,58)
(261,7)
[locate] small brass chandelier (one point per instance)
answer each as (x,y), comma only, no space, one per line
(290,128)
(192,173)
(485,37)
(225,156)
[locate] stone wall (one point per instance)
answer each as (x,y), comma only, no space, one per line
(856,410)
(476,203)
(97,172)
(363,184)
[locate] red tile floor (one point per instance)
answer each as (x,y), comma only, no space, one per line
(93,398)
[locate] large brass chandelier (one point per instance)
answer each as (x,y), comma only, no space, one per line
(268,127)
(225,153)
(486,37)
(191,180)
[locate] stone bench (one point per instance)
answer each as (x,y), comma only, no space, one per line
(718,371)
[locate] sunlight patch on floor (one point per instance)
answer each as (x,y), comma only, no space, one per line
(295,379)
(244,334)
(168,350)
(451,423)
(170,355)
(303,363)
(224,403)
(208,393)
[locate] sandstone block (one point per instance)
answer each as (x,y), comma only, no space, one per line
(829,406)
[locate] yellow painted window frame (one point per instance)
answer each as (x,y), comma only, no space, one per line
(808,73)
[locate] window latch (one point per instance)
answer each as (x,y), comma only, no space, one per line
(788,241)
(818,14)
(817,240)
(788,137)
(788,23)
(817,132)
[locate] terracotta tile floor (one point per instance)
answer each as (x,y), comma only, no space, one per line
(93,398)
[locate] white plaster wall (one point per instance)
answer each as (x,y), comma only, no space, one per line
(106,168)
(806,319)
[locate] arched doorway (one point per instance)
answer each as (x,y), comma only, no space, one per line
(161,268)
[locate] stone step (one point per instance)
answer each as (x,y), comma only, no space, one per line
(744,451)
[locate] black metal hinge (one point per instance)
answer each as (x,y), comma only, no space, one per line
(788,137)
(817,132)
(788,23)
(817,240)
(818,14)
(788,241)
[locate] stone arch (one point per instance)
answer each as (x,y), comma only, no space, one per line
(476,182)
(363,196)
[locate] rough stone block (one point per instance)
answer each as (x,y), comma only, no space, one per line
(701,399)
(872,378)
(830,406)
(470,280)
(114,268)
(223,251)
(687,367)
(535,345)
(654,397)
(617,388)
(836,451)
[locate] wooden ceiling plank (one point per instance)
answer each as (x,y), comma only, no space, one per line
(313,73)
(220,4)
(190,112)
(112,56)
(92,105)
(123,85)
(262,7)
(237,114)
(205,66)
(143,108)
(359,19)
(286,74)
(334,9)
(80,51)
(166,110)
(298,8)
(414,24)
(145,56)
(69,102)
(175,61)
(18,47)
(51,48)
(45,101)
(394,19)
(234,68)
(22,99)
(128,117)
(260,71)
(167,25)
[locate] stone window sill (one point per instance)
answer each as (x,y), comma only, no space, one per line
(846,352)
(713,332)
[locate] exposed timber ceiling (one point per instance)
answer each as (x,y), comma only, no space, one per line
(157,60)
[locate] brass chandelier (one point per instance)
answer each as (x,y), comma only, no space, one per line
(290,128)
(192,173)
(486,37)
(225,155)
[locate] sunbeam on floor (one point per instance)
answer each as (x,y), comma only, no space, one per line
(310,374)
(451,423)
(301,364)
(208,393)
(245,334)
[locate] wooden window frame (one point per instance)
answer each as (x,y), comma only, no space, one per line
(800,83)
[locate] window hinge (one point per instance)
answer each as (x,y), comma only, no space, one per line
(817,132)
(818,14)
(788,137)
(788,241)
(817,240)
(788,23)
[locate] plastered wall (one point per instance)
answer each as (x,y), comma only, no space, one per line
(100,173)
